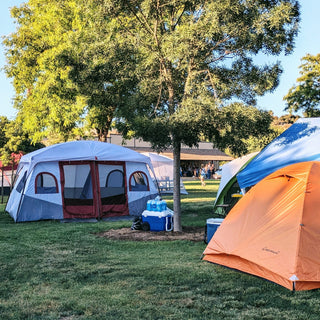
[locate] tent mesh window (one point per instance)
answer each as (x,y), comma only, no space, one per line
(139,181)
(114,191)
(78,185)
(115,179)
(228,200)
(46,183)
(17,175)
(21,183)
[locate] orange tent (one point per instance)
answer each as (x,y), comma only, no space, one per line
(274,231)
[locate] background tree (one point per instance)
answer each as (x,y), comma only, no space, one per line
(278,125)
(191,57)
(15,140)
(305,96)
(47,101)
(285,120)
(165,68)
(70,68)
(3,123)
(102,63)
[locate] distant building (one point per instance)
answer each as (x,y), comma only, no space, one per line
(191,158)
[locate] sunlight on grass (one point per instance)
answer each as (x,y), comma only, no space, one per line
(198,193)
(197,205)
(51,270)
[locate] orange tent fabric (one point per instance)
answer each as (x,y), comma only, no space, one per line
(274,231)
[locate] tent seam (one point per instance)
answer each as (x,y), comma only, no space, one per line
(300,224)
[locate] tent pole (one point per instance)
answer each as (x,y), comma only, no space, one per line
(12,173)
(22,194)
(2,187)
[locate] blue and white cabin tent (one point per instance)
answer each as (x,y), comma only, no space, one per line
(81,180)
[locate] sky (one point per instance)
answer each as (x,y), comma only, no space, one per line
(308,41)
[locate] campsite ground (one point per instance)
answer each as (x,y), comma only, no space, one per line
(53,270)
(192,230)
(188,233)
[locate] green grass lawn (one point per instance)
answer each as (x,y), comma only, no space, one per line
(53,270)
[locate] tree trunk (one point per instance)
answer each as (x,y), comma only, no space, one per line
(177,227)
(102,134)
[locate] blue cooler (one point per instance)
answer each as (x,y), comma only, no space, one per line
(211,227)
(158,221)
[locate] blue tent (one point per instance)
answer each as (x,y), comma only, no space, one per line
(300,142)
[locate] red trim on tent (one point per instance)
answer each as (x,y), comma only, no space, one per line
(50,174)
(145,177)
(94,208)
(113,210)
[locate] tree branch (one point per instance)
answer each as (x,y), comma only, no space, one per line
(144,21)
(179,18)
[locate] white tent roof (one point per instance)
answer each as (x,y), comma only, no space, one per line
(157,157)
(162,166)
(230,169)
(163,170)
(83,150)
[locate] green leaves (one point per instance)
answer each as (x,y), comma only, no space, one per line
(237,124)
(107,58)
(192,56)
(163,69)
(14,140)
(305,96)
(48,102)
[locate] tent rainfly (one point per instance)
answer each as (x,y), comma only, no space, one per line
(81,180)
(274,231)
(300,142)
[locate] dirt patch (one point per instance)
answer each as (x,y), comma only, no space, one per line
(188,233)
